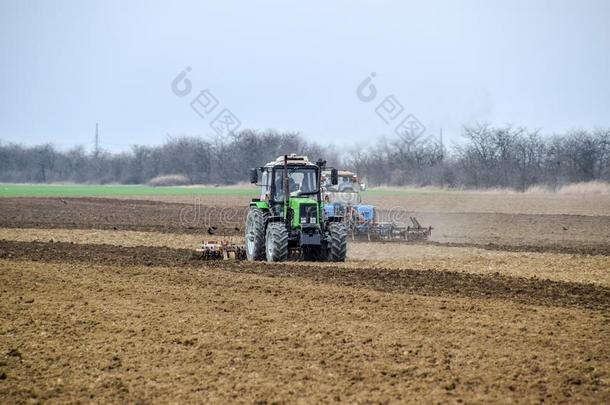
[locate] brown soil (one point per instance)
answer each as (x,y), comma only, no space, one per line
(438,283)
(501,202)
(571,267)
(80,332)
(100,213)
(94,321)
(513,232)
(448,202)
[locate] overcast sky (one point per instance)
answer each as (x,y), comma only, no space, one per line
(66,65)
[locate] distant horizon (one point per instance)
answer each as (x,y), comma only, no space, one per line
(448,141)
(340,71)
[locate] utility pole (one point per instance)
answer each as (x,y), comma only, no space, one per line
(440,141)
(441,144)
(96,151)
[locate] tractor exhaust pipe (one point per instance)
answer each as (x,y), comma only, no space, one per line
(286,182)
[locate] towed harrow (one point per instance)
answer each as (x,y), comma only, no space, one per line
(220,250)
(371,230)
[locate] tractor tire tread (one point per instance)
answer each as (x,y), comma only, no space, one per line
(277,236)
(337,249)
(260,218)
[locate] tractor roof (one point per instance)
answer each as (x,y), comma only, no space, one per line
(340,173)
(293,159)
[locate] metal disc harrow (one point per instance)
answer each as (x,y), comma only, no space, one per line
(220,250)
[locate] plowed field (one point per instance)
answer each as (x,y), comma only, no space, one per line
(102,300)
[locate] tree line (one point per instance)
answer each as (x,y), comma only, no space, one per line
(201,161)
(486,156)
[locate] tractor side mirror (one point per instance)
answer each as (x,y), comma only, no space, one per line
(334,177)
(254,175)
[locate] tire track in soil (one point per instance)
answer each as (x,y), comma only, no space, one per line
(421,282)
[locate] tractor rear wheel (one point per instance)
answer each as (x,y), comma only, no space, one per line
(277,242)
(255,234)
(337,245)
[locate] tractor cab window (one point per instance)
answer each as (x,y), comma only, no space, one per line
(265,185)
(301,181)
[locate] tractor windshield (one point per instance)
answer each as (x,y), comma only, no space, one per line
(302,180)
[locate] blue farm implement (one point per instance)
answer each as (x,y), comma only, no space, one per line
(365,221)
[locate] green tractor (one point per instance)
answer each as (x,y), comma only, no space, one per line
(288,221)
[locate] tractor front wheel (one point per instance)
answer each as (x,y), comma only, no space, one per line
(255,234)
(277,242)
(337,245)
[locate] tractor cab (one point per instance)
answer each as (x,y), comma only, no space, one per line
(346,181)
(301,175)
(346,192)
